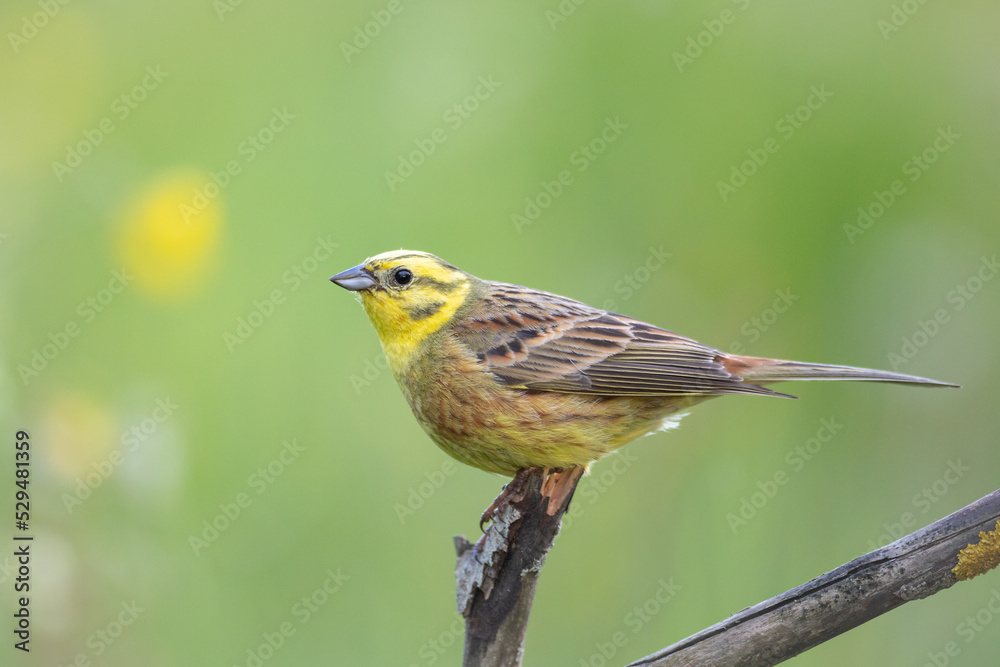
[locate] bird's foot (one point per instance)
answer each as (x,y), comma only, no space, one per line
(557,484)
(511,490)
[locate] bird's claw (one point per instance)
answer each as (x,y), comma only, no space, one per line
(511,489)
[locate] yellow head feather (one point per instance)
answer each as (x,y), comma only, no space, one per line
(404,315)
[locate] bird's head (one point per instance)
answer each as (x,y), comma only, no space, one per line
(408,295)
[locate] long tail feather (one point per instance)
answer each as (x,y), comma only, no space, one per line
(759,370)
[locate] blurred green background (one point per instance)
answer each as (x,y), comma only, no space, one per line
(226,158)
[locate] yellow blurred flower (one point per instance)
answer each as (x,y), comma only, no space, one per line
(170,232)
(78,431)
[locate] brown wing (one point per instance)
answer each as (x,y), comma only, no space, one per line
(544,342)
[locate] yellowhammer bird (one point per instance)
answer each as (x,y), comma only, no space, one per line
(504,377)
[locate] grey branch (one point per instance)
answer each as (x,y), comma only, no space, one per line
(910,568)
(497,576)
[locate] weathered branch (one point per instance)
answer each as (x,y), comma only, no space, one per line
(911,568)
(497,576)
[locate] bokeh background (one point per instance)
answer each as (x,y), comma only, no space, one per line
(178,181)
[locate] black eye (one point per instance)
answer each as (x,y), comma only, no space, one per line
(402,276)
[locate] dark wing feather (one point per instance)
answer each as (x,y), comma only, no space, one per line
(544,342)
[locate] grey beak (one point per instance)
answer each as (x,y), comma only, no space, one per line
(355,279)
